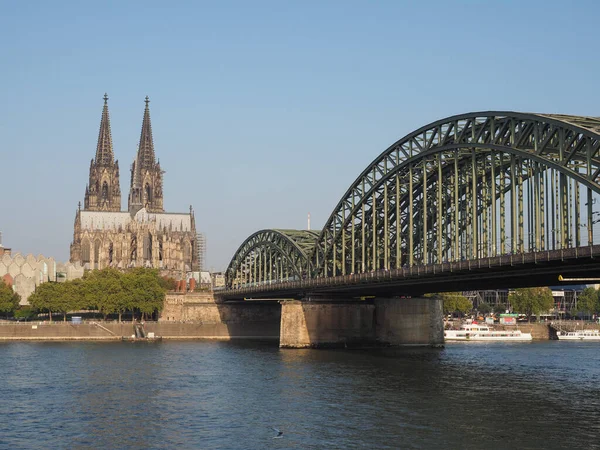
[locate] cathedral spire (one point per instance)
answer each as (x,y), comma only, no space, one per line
(104,149)
(146,148)
(103,192)
(146,174)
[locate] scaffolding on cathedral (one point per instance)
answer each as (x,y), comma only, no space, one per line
(201,251)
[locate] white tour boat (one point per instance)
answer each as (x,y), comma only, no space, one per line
(579,335)
(476,332)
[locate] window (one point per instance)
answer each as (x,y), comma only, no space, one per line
(148,247)
(97,252)
(133,248)
(85,251)
(148,194)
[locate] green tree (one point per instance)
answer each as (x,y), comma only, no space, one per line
(45,298)
(587,301)
(530,301)
(70,297)
(500,308)
(455,302)
(25,313)
(167,283)
(103,290)
(484,308)
(144,291)
(9,300)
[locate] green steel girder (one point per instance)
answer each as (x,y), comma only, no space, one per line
(272,255)
(566,147)
(444,200)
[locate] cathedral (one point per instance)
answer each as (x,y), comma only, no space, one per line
(144,235)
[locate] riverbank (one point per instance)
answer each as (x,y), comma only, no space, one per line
(111,331)
(114,331)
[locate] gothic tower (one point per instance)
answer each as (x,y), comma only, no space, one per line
(146,176)
(103,192)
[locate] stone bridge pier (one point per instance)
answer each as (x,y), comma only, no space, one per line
(331,322)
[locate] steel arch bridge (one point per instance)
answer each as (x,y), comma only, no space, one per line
(467,187)
(272,255)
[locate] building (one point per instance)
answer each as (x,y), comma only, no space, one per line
(144,235)
(218,279)
(25,272)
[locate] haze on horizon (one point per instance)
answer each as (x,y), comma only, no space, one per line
(261,111)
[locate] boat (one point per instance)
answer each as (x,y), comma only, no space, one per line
(476,332)
(579,335)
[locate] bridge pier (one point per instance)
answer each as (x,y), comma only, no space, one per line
(323,322)
(409,321)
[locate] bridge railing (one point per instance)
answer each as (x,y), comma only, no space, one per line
(420,270)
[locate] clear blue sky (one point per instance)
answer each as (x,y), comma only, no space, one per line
(261,111)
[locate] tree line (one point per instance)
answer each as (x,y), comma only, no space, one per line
(588,302)
(108,291)
(528,301)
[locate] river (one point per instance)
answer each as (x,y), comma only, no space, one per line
(229,395)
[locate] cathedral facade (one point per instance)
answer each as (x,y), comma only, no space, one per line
(144,235)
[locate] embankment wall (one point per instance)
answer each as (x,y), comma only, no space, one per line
(241,320)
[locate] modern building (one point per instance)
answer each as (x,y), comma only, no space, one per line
(142,236)
(25,272)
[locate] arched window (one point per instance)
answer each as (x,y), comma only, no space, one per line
(85,251)
(148,247)
(133,248)
(105,191)
(187,252)
(148,194)
(96,253)
(110,253)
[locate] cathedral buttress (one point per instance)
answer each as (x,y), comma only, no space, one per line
(103,192)
(146,175)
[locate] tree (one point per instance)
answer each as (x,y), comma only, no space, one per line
(70,297)
(484,308)
(144,290)
(531,301)
(44,298)
(168,283)
(103,290)
(25,313)
(587,301)
(455,302)
(500,308)
(9,300)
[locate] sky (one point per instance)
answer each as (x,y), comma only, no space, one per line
(262,111)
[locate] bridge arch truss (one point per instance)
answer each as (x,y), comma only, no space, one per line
(470,186)
(272,255)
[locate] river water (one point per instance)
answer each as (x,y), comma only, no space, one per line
(228,395)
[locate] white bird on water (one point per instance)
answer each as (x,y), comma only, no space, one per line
(279,433)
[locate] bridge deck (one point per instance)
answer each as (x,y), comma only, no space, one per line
(506,271)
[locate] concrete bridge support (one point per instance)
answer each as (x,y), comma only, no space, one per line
(325,323)
(409,321)
(337,323)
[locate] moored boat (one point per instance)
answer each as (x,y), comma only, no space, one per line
(476,332)
(579,335)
